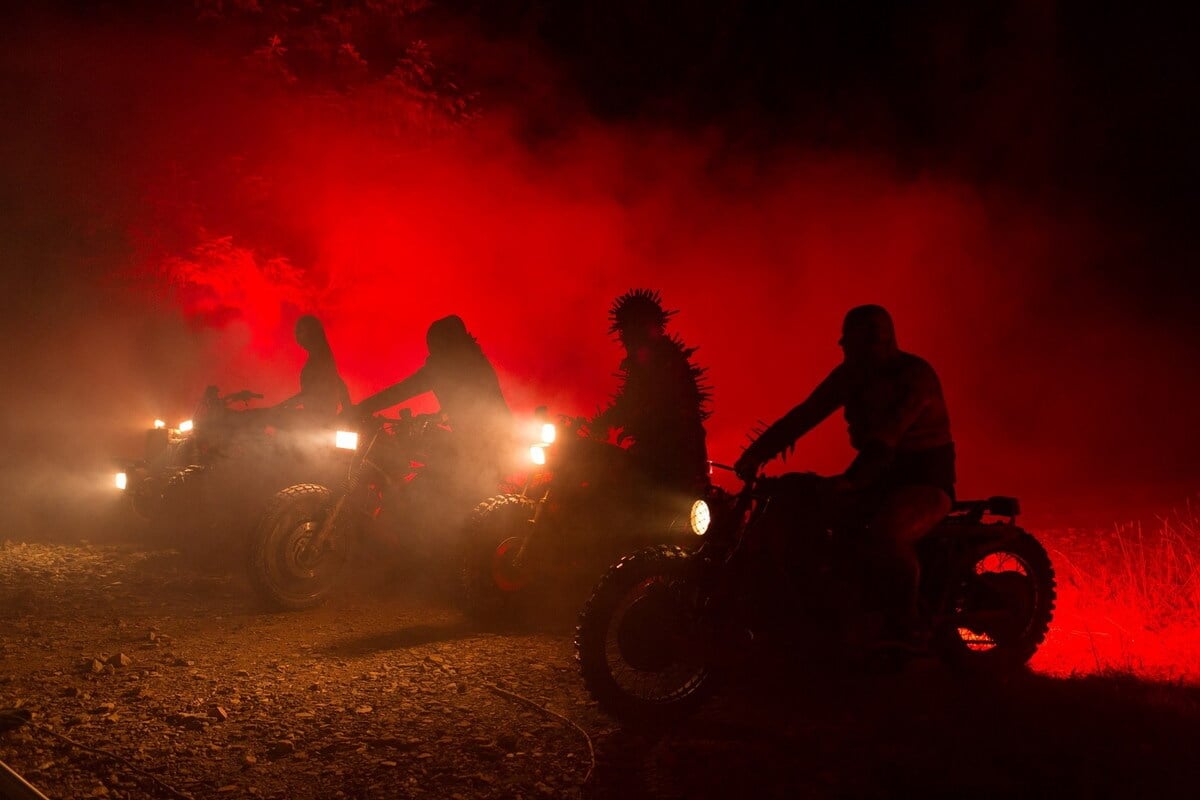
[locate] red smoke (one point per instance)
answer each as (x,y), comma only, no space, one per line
(249,203)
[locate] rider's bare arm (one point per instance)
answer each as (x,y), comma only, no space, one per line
(827,398)
(417,383)
(291,400)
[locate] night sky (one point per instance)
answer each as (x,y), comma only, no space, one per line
(1017,182)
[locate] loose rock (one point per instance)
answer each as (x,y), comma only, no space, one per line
(281,748)
(120,660)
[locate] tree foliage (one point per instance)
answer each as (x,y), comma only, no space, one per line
(365,55)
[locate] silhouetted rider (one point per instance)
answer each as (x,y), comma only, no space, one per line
(322,390)
(468,392)
(660,403)
(904,471)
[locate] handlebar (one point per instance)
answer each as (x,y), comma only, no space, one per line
(244,396)
(750,485)
(749,482)
(404,419)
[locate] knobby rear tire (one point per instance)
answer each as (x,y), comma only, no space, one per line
(1007,656)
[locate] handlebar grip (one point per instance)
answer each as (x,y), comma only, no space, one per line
(244,396)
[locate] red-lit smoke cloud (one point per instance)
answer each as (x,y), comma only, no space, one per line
(247,203)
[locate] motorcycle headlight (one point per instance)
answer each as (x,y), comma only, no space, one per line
(549,433)
(537,454)
(185,426)
(159,424)
(345,440)
(121,480)
(700,518)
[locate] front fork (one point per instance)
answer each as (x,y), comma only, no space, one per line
(320,541)
(518,561)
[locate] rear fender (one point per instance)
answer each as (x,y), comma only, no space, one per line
(958,535)
(944,551)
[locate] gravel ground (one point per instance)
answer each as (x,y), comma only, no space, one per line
(384,693)
(178,672)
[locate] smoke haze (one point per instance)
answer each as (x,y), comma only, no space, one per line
(168,213)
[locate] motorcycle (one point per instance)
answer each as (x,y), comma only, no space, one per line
(305,539)
(664,627)
(582,505)
(174,456)
(204,479)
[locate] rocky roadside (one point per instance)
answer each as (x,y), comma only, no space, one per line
(177,673)
(386,695)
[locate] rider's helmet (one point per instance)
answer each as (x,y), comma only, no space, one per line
(310,334)
(638,313)
(447,335)
(868,334)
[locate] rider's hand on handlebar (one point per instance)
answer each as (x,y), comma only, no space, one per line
(747,466)
(244,396)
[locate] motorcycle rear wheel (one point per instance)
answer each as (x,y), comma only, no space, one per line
(1004,607)
(641,657)
(284,572)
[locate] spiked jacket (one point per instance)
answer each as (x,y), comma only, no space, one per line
(661,404)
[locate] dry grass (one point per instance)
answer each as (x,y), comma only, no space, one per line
(1129,598)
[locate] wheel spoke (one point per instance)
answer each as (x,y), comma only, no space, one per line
(1002,576)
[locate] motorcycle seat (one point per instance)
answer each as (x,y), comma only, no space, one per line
(997,506)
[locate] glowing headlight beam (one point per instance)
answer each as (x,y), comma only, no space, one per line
(346,440)
(121,480)
(185,426)
(537,454)
(159,424)
(700,518)
(549,433)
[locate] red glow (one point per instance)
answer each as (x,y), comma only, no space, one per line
(530,248)
(250,206)
(380,233)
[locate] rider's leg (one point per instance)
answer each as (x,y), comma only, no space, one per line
(905,515)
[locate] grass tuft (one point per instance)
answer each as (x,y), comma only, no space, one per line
(1129,598)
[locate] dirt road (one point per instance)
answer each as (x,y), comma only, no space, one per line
(385,694)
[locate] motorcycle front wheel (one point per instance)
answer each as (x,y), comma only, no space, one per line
(286,571)
(494,584)
(639,641)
